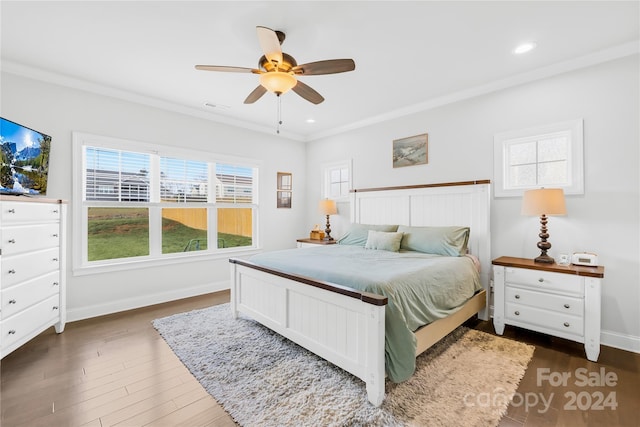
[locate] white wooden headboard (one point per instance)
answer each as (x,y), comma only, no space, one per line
(460,203)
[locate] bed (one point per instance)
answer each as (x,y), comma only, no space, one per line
(346,325)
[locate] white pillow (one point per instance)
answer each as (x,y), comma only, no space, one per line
(383,240)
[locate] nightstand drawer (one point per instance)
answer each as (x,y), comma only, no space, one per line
(546,301)
(530,317)
(545,280)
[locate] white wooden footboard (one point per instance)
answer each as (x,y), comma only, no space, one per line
(339,324)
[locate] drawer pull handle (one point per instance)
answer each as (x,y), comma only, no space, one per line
(54,259)
(55,283)
(11,211)
(12,271)
(517,313)
(55,211)
(567,306)
(517,296)
(12,331)
(55,307)
(566,324)
(541,280)
(55,235)
(12,301)
(11,241)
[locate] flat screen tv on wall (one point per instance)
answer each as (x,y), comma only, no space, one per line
(24,159)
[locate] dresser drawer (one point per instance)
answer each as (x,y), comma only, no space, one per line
(18,268)
(530,317)
(29,238)
(20,297)
(16,212)
(554,302)
(545,280)
(27,321)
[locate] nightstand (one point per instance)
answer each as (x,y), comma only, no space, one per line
(302,243)
(558,300)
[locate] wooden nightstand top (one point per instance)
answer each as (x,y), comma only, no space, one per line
(317,242)
(579,270)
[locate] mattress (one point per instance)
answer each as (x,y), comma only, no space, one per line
(420,288)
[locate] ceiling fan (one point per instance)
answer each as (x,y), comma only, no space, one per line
(278,70)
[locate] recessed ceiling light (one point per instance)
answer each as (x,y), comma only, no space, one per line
(311,120)
(524,47)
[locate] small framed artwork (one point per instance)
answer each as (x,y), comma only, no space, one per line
(410,151)
(284,181)
(284,199)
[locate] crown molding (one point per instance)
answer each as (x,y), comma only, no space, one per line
(606,55)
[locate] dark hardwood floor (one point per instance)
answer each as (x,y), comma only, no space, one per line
(117,370)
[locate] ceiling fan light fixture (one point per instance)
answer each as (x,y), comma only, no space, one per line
(278,82)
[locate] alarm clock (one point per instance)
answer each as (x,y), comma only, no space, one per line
(585,258)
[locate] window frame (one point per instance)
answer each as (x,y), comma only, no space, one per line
(575,157)
(79,224)
(327,168)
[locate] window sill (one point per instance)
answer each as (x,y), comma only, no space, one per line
(147,262)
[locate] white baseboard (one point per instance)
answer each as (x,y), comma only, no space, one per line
(111,307)
(621,341)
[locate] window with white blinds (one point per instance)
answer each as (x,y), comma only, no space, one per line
(115,175)
(142,204)
(234,184)
(183,180)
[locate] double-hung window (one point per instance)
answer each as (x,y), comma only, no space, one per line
(143,203)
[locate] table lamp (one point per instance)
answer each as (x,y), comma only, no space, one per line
(328,207)
(543,202)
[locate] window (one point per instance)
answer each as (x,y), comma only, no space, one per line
(546,156)
(140,204)
(337,180)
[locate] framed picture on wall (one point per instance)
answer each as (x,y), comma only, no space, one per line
(284,199)
(284,181)
(410,151)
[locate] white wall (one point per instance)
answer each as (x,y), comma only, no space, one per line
(604,220)
(58,111)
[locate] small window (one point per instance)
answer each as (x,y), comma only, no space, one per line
(546,156)
(337,180)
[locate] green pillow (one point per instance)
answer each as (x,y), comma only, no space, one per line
(450,241)
(357,234)
(383,240)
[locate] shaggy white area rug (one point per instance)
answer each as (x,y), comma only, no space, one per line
(263,379)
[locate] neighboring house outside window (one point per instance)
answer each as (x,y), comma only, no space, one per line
(139,203)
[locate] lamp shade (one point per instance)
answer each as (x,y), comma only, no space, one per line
(328,207)
(544,201)
(277,81)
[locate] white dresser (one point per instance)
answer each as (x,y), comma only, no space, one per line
(32,269)
(562,301)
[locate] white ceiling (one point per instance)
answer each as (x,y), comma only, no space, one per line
(409,55)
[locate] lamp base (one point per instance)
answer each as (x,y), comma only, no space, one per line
(544,258)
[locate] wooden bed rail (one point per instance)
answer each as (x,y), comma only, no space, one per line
(366,297)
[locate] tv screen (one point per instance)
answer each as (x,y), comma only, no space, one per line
(24,159)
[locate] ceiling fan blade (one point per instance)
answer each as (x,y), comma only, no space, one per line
(270,44)
(307,93)
(255,95)
(227,69)
(330,66)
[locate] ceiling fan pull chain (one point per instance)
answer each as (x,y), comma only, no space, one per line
(279,113)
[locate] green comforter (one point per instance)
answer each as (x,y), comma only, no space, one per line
(420,287)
